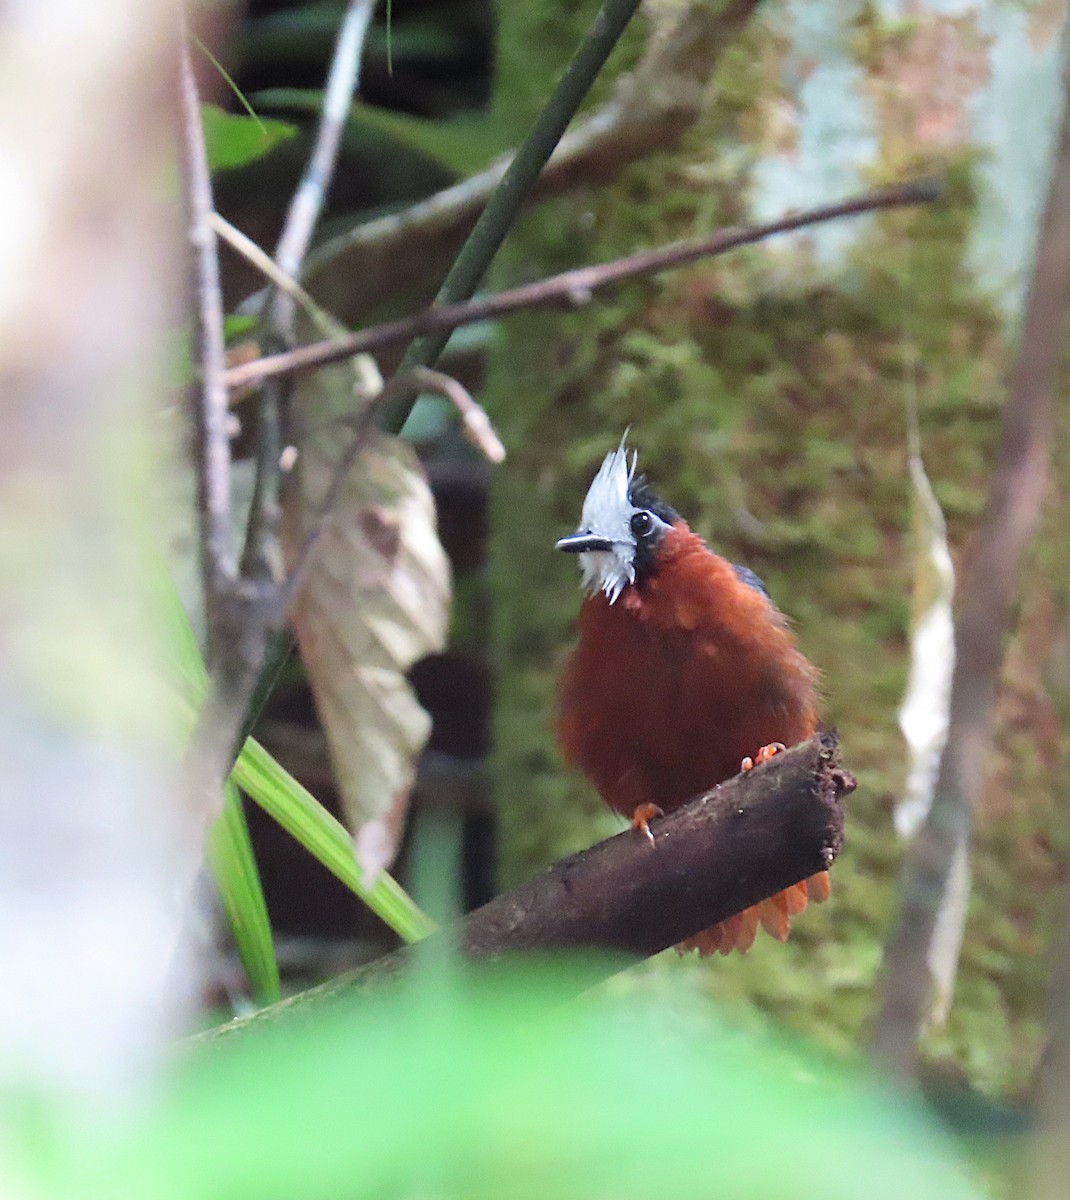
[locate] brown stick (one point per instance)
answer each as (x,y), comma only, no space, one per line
(219,568)
(745,841)
(262,532)
(252,609)
(571,287)
(748,839)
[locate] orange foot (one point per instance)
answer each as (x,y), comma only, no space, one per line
(763,755)
(642,816)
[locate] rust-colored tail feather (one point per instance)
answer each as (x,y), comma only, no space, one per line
(820,887)
(774,915)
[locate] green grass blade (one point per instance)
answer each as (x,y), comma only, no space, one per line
(230,853)
(326,839)
(230,850)
(296,810)
(229,80)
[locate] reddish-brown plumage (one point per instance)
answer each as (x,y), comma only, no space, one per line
(671,686)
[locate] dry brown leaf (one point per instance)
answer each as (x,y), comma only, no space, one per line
(374,600)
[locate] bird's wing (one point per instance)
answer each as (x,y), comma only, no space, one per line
(747,576)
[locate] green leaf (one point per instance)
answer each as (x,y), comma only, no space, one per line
(230,853)
(237,325)
(462,146)
(234,141)
(326,839)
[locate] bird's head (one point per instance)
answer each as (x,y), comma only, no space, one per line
(621,528)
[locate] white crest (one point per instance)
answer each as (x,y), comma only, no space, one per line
(607,514)
(606,507)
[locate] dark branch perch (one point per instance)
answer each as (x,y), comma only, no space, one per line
(744,841)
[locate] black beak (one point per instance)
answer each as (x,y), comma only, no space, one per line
(577,543)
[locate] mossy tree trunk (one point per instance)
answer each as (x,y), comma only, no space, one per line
(766,393)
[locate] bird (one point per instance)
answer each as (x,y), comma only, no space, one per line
(684,674)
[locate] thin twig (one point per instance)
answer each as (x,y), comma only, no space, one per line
(366,371)
(343,78)
(571,287)
(260,558)
(477,425)
(259,258)
(213,458)
(256,611)
(1013,507)
(509,196)
(235,621)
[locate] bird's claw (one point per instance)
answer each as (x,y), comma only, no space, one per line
(641,818)
(763,755)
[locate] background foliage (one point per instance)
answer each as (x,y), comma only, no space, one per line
(767,393)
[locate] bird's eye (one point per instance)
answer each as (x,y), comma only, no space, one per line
(642,523)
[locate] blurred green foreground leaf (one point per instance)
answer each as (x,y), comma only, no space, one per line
(495,1086)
